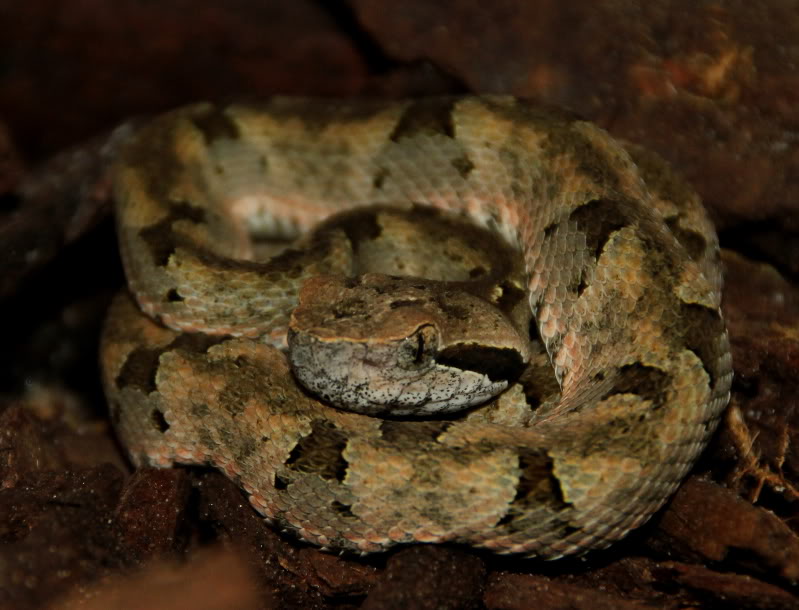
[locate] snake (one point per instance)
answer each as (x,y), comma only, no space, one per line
(544,406)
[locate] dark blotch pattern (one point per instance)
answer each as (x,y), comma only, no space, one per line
(196,343)
(457,312)
(159,421)
(409,432)
(692,241)
(591,161)
(581,285)
(538,380)
(537,486)
(477,273)
(161,239)
(173,296)
(510,298)
(537,483)
(380,178)
(246,447)
(141,365)
(358,225)
(463,166)
(598,220)
(186,211)
(497,364)
(425,117)
(645,381)
(317,114)
(350,308)
(320,452)
(290,262)
(139,370)
(200,410)
(701,328)
(399,304)
(216,125)
(343,510)
(543,116)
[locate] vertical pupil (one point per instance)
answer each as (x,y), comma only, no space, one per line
(417,357)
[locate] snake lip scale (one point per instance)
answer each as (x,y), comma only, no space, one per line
(619,266)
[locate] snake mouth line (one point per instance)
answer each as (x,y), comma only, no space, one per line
(498,364)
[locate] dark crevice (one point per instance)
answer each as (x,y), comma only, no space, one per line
(376,59)
(510,298)
(765,241)
(10,202)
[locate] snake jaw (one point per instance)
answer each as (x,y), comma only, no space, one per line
(399,378)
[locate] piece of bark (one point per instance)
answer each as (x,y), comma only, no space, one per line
(522,591)
(150,517)
(719,589)
(428,577)
(705,522)
(213,580)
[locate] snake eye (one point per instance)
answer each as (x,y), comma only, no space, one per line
(420,347)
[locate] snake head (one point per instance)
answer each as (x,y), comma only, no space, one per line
(380,344)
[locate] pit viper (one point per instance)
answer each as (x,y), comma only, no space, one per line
(617,266)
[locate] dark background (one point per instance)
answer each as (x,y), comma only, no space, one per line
(711,86)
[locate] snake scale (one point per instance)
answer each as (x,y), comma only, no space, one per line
(618,262)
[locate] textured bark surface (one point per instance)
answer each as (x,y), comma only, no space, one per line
(712,87)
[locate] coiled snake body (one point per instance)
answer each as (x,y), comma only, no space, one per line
(619,263)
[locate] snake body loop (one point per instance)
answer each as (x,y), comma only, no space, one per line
(618,265)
